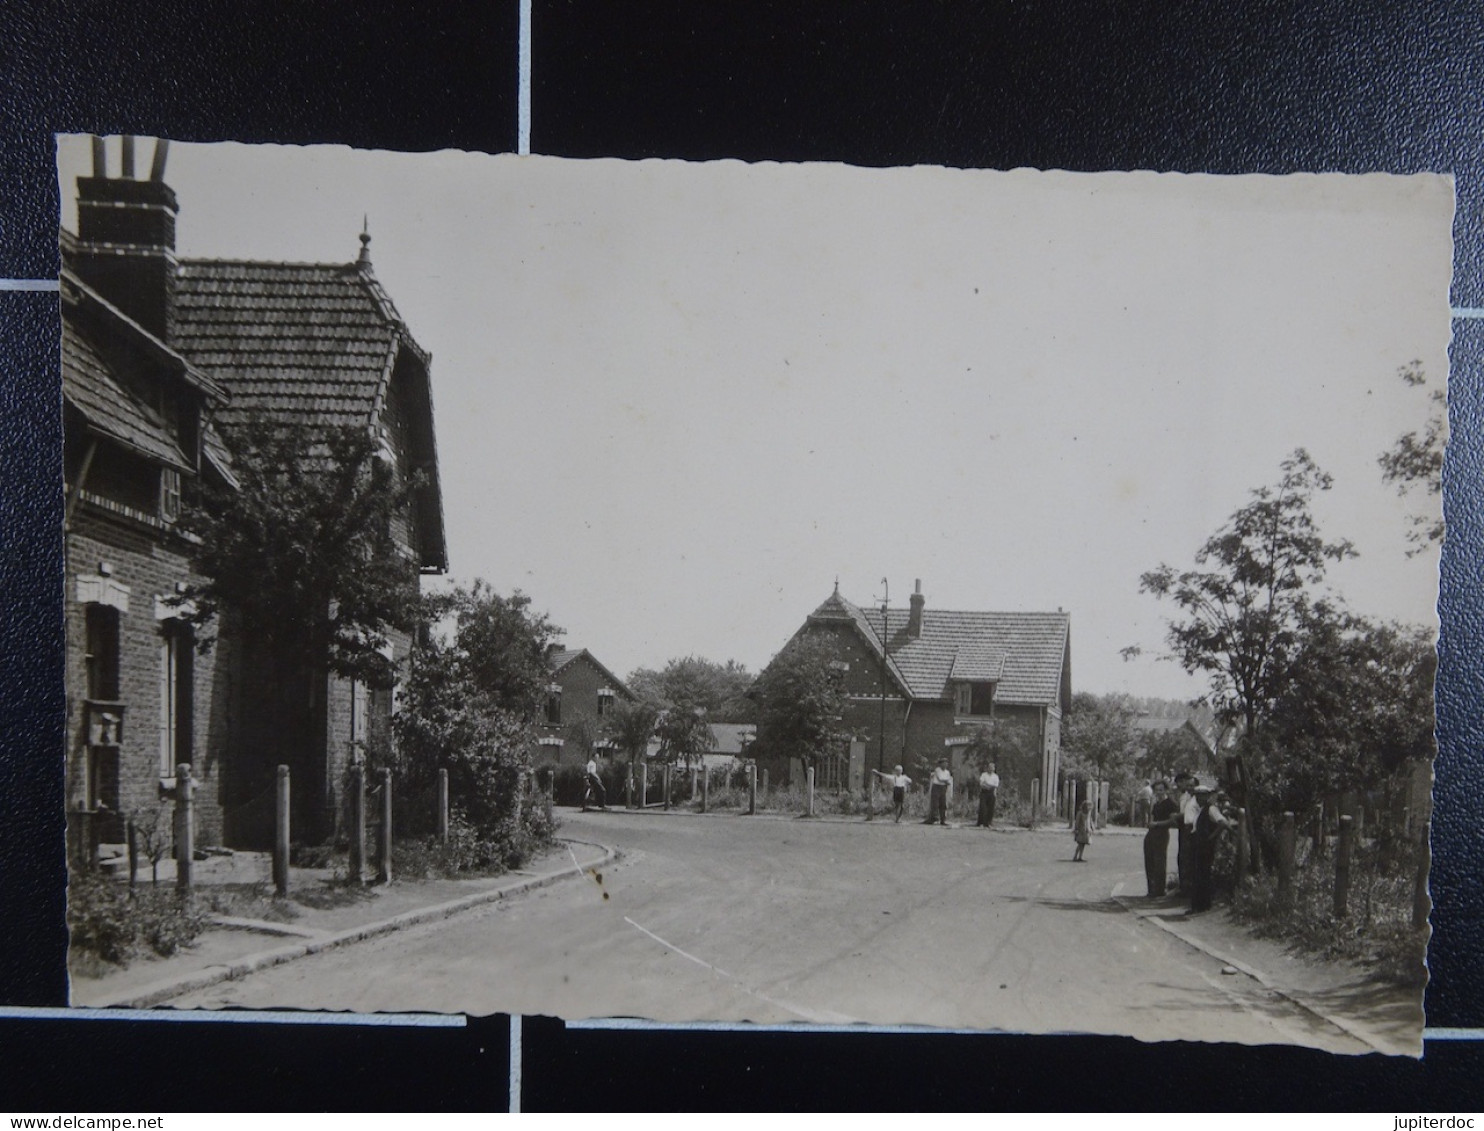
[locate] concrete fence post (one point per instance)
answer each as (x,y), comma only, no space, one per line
(1104,792)
(443,806)
(384,859)
(548,792)
(870,796)
(185,808)
(281,834)
(809,792)
(1035,799)
(667,772)
(765,783)
(1421,899)
(628,787)
(643,784)
(693,785)
(1069,802)
(1242,837)
(132,835)
(1286,834)
(356,790)
(1342,866)
(705,789)
(751,790)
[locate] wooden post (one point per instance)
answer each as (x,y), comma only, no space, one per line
(1071,802)
(693,785)
(1316,833)
(281,834)
(765,782)
(809,792)
(643,784)
(705,788)
(443,806)
(871,797)
(520,794)
(752,789)
(384,863)
(356,870)
(1241,846)
(133,835)
(1421,899)
(185,808)
(668,769)
(548,792)
(1035,799)
(1342,866)
(1285,856)
(628,788)
(1104,790)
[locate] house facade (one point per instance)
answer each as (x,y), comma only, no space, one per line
(161,356)
(579,698)
(936,678)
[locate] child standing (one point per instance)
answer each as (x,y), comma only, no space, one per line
(1082,830)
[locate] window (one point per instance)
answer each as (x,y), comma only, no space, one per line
(554,705)
(169,494)
(101,654)
(962,699)
(605,701)
(177,695)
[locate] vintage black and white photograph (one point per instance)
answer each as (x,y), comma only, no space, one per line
(724,592)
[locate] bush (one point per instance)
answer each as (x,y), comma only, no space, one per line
(1377,931)
(111,922)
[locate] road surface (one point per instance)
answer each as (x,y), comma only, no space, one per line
(776,920)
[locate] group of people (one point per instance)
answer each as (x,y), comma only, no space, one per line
(1199,816)
(940,792)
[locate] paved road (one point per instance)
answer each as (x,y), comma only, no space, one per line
(775,920)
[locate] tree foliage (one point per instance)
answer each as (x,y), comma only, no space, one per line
(470,699)
(1098,737)
(303,550)
(1001,742)
(630,726)
(684,732)
(1415,462)
(801,702)
(1356,705)
(721,689)
(1247,600)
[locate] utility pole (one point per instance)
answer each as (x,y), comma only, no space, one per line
(885,636)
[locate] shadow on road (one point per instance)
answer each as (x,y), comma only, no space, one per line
(1102,905)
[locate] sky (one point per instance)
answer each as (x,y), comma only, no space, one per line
(676,402)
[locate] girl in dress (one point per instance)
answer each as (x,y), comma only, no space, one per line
(1082,830)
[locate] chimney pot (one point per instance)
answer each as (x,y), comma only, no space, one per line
(914,617)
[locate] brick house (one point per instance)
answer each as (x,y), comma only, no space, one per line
(940,674)
(578,699)
(156,351)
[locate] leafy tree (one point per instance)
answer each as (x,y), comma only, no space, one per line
(719,688)
(1247,600)
(470,702)
(1357,705)
(1098,738)
(801,702)
(630,726)
(1163,753)
(1003,742)
(684,733)
(303,550)
(1415,461)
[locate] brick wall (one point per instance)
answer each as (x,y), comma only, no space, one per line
(149,563)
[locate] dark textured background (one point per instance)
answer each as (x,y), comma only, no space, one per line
(1260,86)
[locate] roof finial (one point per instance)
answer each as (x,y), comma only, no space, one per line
(364,259)
(837,585)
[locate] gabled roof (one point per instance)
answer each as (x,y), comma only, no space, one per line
(309,343)
(565,657)
(1024,654)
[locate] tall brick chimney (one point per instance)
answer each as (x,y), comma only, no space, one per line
(126,237)
(914,618)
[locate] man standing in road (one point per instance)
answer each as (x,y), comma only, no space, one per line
(900,783)
(1190,809)
(989,785)
(940,791)
(1163,816)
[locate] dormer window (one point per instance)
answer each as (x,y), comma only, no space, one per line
(605,701)
(973,698)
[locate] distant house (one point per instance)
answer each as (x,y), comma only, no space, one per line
(579,698)
(940,674)
(1196,744)
(731,743)
(158,351)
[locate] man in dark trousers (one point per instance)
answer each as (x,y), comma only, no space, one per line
(989,785)
(1164,815)
(940,789)
(1210,824)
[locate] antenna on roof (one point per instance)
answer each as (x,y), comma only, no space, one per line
(365,257)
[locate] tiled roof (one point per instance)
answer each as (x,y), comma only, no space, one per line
(1024,653)
(88,385)
(560,658)
(306,343)
(728,736)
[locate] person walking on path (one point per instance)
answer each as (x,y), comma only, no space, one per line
(940,791)
(1209,826)
(1164,815)
(989,785)
(900,783)
(1082,830)
(595,790)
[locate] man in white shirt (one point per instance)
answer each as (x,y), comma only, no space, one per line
(1190,809)
(989,786)
(940,790)
(900,783)
(595,789)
